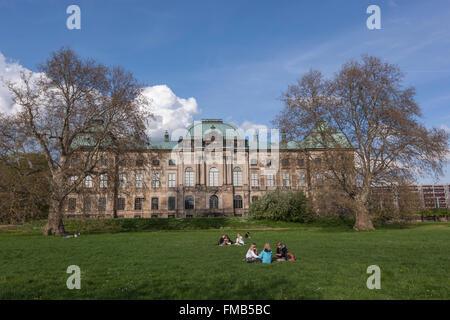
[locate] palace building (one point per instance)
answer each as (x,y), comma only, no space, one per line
(213,169)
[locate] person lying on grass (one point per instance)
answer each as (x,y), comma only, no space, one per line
(252,254)
(266,254)
(75,235)
(281,254)
(239,240)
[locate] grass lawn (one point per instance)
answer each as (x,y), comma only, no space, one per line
(186,264)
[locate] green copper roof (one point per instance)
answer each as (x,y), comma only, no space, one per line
(314,140)
(209,126)
(216,126)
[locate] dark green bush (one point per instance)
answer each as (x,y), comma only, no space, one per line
(440,212)
(281,205)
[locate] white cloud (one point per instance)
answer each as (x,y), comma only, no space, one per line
(249,129)
(248,125)
(9,71)
(446,128)
(171,113)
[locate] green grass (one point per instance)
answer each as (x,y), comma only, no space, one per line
(186,264)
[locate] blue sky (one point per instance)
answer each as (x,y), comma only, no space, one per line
(235,58)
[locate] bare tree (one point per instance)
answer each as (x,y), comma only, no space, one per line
(72,111)
(366,107)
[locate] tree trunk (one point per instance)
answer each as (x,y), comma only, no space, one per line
(363,221)
(54,225)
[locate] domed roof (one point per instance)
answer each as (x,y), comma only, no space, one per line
(208,127)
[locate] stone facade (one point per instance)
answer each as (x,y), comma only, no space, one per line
(211,170)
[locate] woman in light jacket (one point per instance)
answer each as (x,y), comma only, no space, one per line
(266,254)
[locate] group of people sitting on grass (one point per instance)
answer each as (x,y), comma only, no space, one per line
(226,241)
(265,256)
(252,255)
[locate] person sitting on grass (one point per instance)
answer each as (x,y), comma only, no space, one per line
(221,241)
(228,241)
(252,254)
(266,254)
(281,254)
(239,240)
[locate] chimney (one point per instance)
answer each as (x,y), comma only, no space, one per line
(166,136)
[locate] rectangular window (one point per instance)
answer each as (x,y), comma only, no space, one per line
(102,204)
(154,203)
(139,180)
(172,203)
(270,182)
(301,179)
(103,181)
(139,163)
(103,161)
(72,204)
(87,204)
(189,177)
(237,202)
(237,178)
(122,180)
(254,180)
(213,177)
(172,180)
(171,216)
(155,162)
(253,162)
(171,162)
(319,178)
(73,180)
(138,202)
(286,180)
(120,203)
(189,202)
(301,162)
(155,180)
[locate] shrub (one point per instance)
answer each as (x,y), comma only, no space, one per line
(282,205)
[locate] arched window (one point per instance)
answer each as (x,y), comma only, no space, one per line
(213,177)
(88,182)
(237,202)
(213,202)
(189,177)
(237,176)
(189,202)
